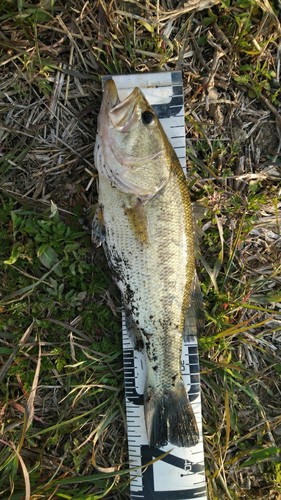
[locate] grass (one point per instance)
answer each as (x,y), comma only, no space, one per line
(63,432)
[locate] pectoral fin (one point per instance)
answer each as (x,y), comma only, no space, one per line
(137,217)
(98,228)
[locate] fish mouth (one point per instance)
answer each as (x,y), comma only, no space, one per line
(110,94)
(123,114)
(110,97)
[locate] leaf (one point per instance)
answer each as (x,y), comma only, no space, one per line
(17,252)
(31,398)
(49,257)
(146,25)
(54,210)
(16,219)
(25,472)
(227,422)
(240,328)
(242,79)
(257,456)
(14,256)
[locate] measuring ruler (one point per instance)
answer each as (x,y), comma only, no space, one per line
(181,473)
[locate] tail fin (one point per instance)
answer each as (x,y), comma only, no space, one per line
(169,417)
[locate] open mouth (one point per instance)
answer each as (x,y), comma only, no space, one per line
(111,94)
(122,113)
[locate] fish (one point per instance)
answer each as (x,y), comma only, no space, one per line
(144,223)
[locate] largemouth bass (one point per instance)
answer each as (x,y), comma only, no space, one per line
(145,225)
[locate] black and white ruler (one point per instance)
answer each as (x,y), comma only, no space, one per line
(181,473)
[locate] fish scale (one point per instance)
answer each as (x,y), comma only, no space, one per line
(159,269)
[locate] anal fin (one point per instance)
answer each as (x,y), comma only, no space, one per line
(133,331)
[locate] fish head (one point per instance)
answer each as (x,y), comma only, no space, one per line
(136,152)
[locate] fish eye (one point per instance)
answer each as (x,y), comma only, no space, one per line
(147,117)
